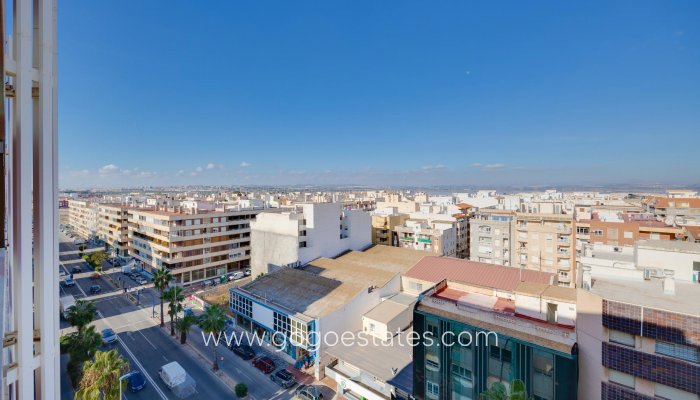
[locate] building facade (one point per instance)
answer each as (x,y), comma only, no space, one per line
(545,242)
(113,227)
(83,216)
(383,225)
(492,237)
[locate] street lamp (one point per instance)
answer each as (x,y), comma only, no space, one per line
(121,378)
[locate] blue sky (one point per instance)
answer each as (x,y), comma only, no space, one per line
(378,92)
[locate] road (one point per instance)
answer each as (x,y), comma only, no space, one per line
(147,347)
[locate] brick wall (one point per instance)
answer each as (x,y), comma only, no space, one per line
(622,317)
(664,370)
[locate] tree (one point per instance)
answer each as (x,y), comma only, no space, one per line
(498,391)
(101,376)
(80,346)
(161,279)
(241,390)
(175,297)
(183,326)
(81,314)
(97,258)
(213,322)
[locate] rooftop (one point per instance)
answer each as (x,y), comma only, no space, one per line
(650,293)
(670,245)
(325,284)
(390,308)
(436,269)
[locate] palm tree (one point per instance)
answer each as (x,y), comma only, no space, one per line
(183,325)
(175,297)
(84,344)
(101,376)
(498,391)
(81,314)
(213,322)
(161,279)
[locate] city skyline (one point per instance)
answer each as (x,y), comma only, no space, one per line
(448,94)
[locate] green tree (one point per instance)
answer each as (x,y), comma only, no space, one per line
(100,379)
(97,258)
(175,297)
(183,326)
(81,314)
(213,322)
(499,391)
(241,390)
(80,346)
(161,279)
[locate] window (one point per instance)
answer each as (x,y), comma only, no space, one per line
(621,378)
(241,305)
(433,390)
(299,333)
(432,328)
(621,338)
(654,236)
(543,375)
(432,362)
(675,350)
(667,392)
(628,235)
(598,232)
(612,233)
(415,286)
(281,323)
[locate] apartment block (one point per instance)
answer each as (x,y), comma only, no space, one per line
(546,243)
(638,338)
(484,324)
(624,229)
(674,210)
(292,238)
(195,243)
(383,224)
(435,233)
(492,234)
(113,227)
(82,216)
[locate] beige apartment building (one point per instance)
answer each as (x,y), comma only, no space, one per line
(546,242)
(383,226)
(113,227)
(82,216)
(194,243)
(492,237)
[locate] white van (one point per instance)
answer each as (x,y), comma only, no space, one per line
(172,374)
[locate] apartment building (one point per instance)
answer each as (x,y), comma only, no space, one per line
(545,242)
(483,324)
(82,216)
(383,224)
(462,232)
(305,232)
(492,234)
(113,227)
(194,243)
(433,233)
(674,210)
(624,229)
(638,338)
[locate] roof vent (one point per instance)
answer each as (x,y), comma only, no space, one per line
(669,282)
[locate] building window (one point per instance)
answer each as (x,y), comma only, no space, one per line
(669,393)
(675,350)
(299,333)
(628,235)
(598,232)
(432,362)
(543,375)
(621,378)
(281,323)
(433,390)
(621,338)
(415,286)
(242,305)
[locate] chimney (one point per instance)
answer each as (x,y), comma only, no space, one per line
(586,277)
(669,282)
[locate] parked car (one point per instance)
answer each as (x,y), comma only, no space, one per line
(283,378)
(61,273)
(76,269)
(94,289)
(141,280)
(188,311)
(96,275)
(69,282)
(246,272)
(108,336)
(236,275)
(243,351)
(264,364)
(308,392)
(136,381)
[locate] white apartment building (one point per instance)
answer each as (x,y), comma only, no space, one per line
(492,237)
(113,227)
(308,231)
(435,233)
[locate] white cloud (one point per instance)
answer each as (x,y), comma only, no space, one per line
(245,164)
(193,173)
(211,166)
(489,167)
(109,169)
(180,172)
(476,165)
(432,167)
(199,169)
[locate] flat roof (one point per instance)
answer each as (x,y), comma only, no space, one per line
(671,245)
(650,294)
(384,360)
(326,284)
(390,308)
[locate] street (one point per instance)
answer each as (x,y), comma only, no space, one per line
(147,347)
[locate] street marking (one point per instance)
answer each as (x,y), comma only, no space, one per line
(149,342)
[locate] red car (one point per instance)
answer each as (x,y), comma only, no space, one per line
(264,364)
